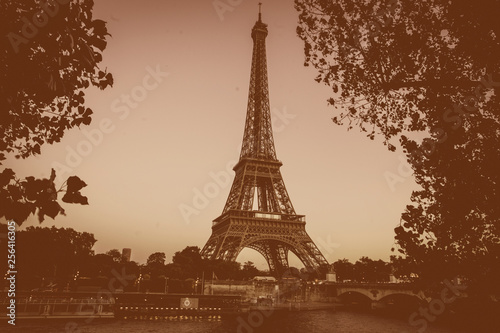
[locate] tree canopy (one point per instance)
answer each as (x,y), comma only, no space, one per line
(49,54)
(404,70)
(50,254)
(363,270)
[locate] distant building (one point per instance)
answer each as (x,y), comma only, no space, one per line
(331,277)
(126,254)
(265,278)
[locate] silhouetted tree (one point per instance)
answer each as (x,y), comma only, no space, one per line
(226,270)
(49,54)
(401,69)
(103,267)
(344,270)
(187,263)
(403,268)
(248,270)
(155,265)
(157,258)
(115,255)
(51,255)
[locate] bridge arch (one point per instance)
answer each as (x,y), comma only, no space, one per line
(402,302)
(399,297)
(352,297)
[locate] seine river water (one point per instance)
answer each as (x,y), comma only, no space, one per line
(285,322)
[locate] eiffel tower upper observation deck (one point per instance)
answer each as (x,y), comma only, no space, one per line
(269,225)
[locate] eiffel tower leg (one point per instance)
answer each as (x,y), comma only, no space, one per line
(276,255)
(224,243)
(308,254)
(212,246)
(279,254)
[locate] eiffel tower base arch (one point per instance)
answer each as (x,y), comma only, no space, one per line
(273,236)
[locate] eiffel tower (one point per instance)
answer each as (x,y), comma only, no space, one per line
(258,213)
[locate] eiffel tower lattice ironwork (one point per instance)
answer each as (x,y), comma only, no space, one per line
(270,225)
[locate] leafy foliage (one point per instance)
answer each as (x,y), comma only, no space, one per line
(115,255)
(386,61)
(54,255)
(403,70)
(49,54)
(21,198)
(363,270)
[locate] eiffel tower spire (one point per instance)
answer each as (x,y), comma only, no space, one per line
(270,226)
(258,139)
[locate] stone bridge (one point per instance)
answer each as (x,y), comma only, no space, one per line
(374,294)
(377,291)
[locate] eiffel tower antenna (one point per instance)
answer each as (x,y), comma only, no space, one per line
(260,14)
(274,229)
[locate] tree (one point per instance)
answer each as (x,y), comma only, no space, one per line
(403,268)
(51,254)
(248,270)
(188,262)
(344,270)
(157,258)
(115,254)
(102,265)
(225,270)
(49,54)
(406,70)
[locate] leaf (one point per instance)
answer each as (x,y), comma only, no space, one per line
(99,43)
(99,27)
(6,176)
(74,184)
(87,120)
(38,140)
(72,195)
(14,192)
(23,211)
(88,112)
(75,198)
(51,208)
(107,81)
(36,149)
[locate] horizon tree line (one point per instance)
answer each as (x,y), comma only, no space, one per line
(63,259)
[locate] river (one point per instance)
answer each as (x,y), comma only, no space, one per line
(284,322)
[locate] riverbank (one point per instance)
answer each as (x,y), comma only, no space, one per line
(320,321)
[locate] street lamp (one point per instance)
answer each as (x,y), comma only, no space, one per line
(139,282)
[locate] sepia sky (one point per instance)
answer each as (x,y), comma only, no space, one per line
(163,138)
